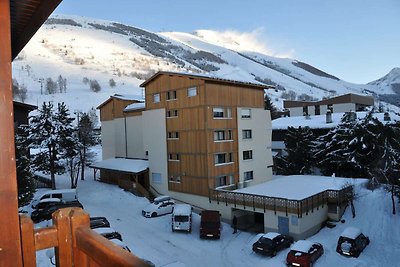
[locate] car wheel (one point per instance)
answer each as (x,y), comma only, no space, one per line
(154,214)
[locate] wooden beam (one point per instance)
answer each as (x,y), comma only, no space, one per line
(39,16)
(10,240)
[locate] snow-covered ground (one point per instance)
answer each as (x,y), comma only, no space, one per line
(152,239)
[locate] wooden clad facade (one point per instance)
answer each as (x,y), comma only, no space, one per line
(189,101)
(114,107)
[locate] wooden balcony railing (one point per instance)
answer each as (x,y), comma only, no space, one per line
(299,207)
(74,242)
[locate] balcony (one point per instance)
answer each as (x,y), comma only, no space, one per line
(74,242)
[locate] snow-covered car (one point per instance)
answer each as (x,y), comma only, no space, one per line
(304,253)
(352,242)
(161,205)
(271,243)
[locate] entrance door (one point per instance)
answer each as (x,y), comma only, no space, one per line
(283,225)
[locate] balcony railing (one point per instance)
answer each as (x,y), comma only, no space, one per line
(74,242)
(299,207)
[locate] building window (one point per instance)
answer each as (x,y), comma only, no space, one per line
(248,175)
(173,157)
(223,135)
(222,113)
(175,179)
(317,110)
(246,113)
(156,178)
(171,95)
(248,154)
(247,134)
(224,180)
(173,135)
(172,113)
(305,110)
(223,158)
(156,98)
(192,91)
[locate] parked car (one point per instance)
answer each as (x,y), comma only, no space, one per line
(210,224)
(108,233)
(304,253)
(182,218)
(67,195)
(45,213)
(98,222)
(351,242)
(120,243)
(46,202)
(271,243)
(161,205)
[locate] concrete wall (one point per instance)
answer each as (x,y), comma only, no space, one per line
(337,108)
(134,130)
(120,138)
(108,139)
(260,144)
(294,112)
(155,141)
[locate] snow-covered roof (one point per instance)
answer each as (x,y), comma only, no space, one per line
(182,209)
(126,97)
(296,187)
(302,246)
(104,230)
(135,106)
(271,235)
(351,232)
(319,121)
(122,164)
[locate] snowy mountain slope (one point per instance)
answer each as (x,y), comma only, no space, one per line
(78,48)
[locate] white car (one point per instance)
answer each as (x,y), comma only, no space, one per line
(161,205)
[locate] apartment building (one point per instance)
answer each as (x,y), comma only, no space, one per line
(197,133)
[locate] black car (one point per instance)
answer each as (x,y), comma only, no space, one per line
(98,222)
(270,243)
(108,233)
(352,242)
(46,212)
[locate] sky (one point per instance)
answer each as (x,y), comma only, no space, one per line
(355,40)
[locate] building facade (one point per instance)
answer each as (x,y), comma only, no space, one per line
(198,133)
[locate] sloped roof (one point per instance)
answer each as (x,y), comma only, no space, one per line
(347,98)
(121,97)
(209,78)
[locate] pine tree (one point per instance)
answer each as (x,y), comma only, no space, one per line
(299,149)
(271,107)
(86,139)
(26,185)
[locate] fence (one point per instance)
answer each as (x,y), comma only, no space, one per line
(299,207)
(41,182)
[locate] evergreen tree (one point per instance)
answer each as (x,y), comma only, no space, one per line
(271,107)
(26,185)
(50,133)
(86,139)
(332,150)
(299,148)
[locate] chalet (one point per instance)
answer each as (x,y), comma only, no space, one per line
(339,104)
(74,242)
(21,113)
(205,139)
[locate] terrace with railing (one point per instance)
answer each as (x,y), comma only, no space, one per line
(299,207)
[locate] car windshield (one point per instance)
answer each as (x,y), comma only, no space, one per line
(296,253)
(181,218)
(265,241)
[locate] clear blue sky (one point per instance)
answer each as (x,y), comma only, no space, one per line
(356,40)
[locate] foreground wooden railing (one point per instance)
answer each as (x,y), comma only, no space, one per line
(299,207)
(74,242)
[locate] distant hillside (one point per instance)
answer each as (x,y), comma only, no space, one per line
(69,55)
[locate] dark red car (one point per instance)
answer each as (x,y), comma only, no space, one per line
(304,253)
(210,224)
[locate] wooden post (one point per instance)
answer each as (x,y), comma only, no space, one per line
(28,242)
(10,240)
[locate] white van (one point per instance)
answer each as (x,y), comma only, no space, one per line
(182,218)
(66,195)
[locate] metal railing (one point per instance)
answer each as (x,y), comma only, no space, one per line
(299,207)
